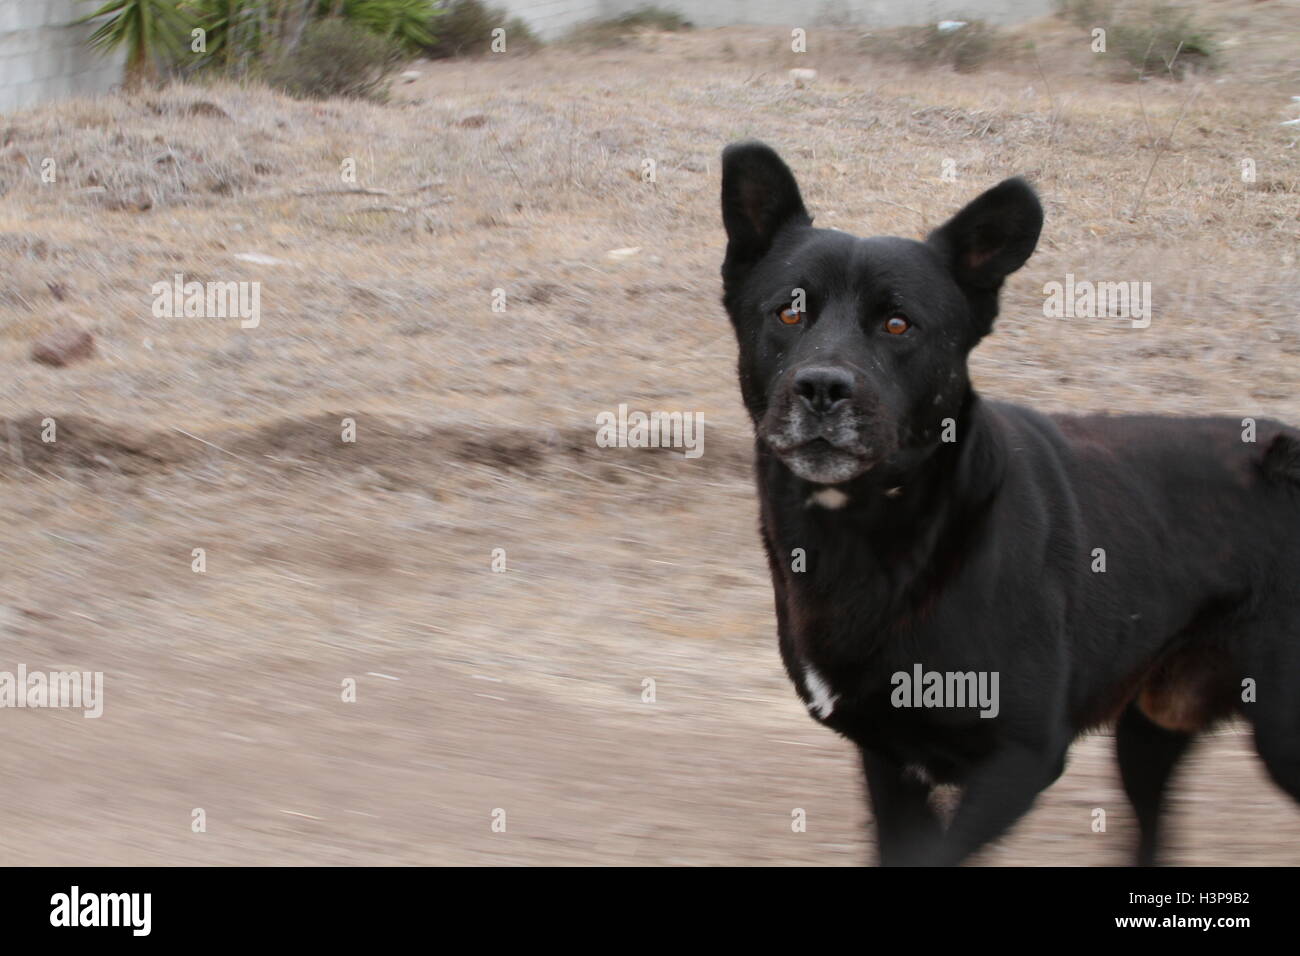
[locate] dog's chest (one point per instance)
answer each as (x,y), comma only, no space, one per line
(827,684)
(941,743)
(858,694)
(825,679)
(835,696)
(817,694)
(842,647)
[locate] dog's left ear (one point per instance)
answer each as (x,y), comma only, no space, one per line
(989,239)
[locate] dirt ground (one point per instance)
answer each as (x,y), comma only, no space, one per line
(522,691)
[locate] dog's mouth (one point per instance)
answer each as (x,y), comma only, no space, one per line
(823,449)
(822,461)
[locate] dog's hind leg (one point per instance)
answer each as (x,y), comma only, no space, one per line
(1279,748)
(1272,666)
(1147,755)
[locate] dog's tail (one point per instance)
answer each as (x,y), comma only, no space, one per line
(1281,460)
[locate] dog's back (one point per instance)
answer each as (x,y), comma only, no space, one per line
(1189,530)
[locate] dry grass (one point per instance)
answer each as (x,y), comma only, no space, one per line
(531,200)
(476,429)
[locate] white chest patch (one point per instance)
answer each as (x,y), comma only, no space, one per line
(823,701)
(832,499)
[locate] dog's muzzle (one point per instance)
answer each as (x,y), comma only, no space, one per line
(816,427)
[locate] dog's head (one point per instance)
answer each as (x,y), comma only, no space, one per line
(853,351)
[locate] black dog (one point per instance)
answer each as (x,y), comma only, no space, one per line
(962,586)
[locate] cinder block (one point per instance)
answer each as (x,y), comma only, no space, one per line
(63,12)
(32,40)
(26,95)
(22,68)
(36,15)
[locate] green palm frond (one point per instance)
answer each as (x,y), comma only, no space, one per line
(145,28)
(409,22)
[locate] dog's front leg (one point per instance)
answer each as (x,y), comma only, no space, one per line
(907,829)
(995,795)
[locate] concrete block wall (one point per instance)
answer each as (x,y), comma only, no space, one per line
(44,56)
(553,18)
(815,13)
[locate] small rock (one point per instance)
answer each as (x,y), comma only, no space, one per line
(63,347)
(132,200)
(416,327)
(232,355)
(204,108)
(410,76)
(627,253)
(802,78)
(949,26)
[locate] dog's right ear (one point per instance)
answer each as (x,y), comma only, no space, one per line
(759,199)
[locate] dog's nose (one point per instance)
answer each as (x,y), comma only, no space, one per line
(823,389)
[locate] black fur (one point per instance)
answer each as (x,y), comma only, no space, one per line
(909,521)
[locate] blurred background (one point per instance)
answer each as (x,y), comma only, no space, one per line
(362,584)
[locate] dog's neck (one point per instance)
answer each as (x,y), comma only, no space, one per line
(902,526)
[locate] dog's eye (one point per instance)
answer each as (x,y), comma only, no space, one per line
(897,325)
(789,316)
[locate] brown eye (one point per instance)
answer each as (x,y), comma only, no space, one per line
(897,325)
(789,316)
